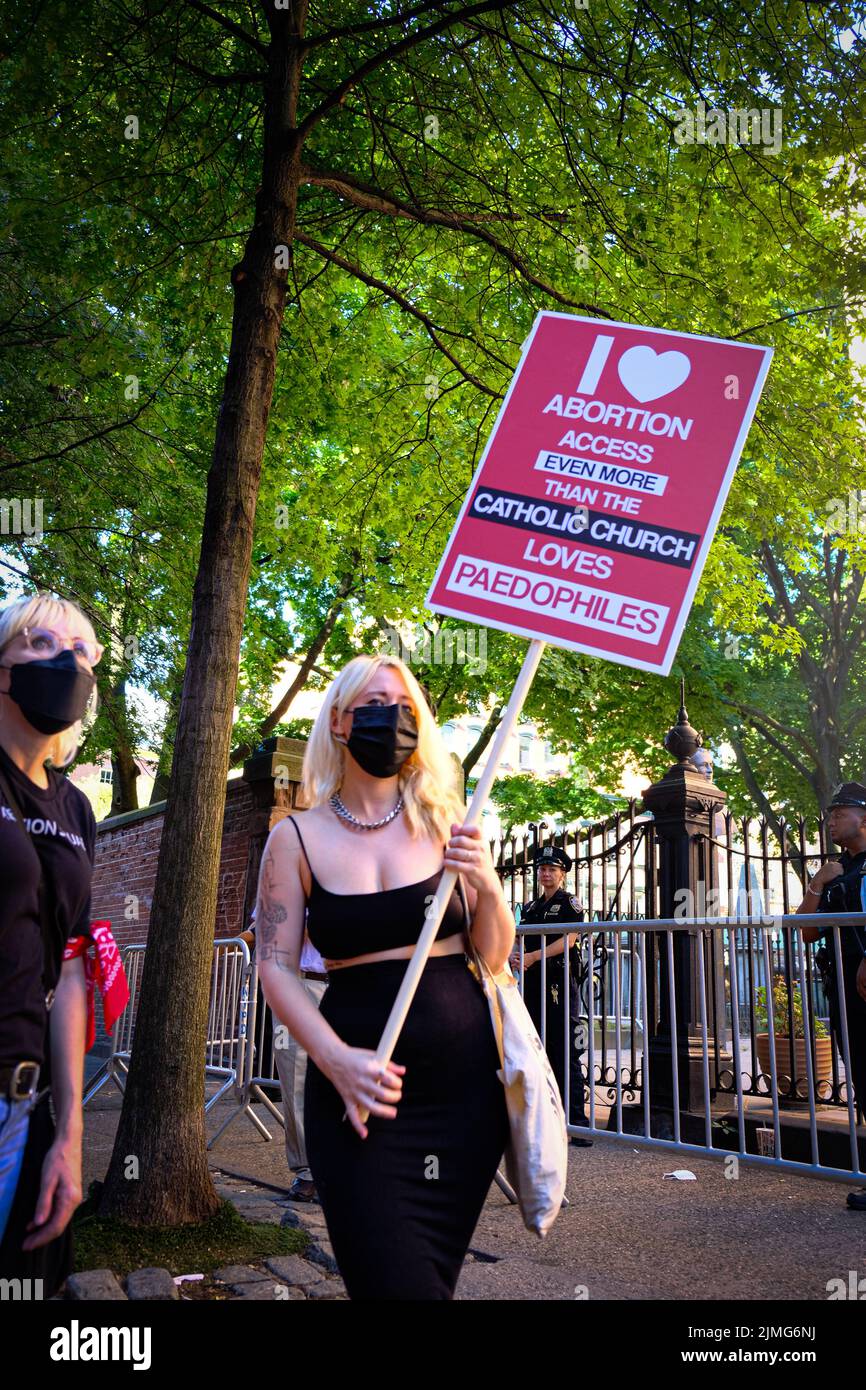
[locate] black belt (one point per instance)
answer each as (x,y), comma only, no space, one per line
(313,975)
(18,1080)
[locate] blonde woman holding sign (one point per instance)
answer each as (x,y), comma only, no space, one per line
(402,1193)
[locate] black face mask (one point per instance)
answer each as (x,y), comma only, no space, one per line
(382,738)
(52,694)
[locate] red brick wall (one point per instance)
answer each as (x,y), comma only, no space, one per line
(126,859)
(126,864)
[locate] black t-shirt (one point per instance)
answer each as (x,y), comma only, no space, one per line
(62,834)
(845,894)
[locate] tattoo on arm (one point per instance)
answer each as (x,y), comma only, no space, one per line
(271,910)
(283,960)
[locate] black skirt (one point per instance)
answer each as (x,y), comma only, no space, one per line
(402,1204)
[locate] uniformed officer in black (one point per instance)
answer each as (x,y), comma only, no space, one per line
(840,886)
(554,904)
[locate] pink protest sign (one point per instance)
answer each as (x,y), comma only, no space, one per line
(593,506)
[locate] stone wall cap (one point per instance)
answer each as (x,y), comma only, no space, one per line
(156,808)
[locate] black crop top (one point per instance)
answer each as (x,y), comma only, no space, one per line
(343,925)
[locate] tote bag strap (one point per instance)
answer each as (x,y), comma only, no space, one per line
(484,975)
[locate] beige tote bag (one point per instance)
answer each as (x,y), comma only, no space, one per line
(536,1157)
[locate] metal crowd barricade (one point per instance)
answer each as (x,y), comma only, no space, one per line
(227,1054)
(226,1040)
(116,1064)
(259,1069)
(262,1073)
(583,1040)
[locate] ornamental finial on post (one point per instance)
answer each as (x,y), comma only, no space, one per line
(682,740)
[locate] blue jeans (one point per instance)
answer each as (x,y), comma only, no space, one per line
(14,1123)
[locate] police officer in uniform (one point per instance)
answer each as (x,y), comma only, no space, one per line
(840,886)
(555,905)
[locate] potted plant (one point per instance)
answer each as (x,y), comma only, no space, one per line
(823,1064)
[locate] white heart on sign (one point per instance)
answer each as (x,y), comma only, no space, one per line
(646,375)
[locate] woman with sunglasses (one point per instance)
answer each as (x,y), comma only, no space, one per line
(47,835)
(402,1192)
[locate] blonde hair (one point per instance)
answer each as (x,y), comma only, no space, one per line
(45,610)
(427,780)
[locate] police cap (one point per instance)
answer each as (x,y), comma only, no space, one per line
(848,794)
(552,854)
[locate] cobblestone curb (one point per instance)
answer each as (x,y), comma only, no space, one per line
(313,1275)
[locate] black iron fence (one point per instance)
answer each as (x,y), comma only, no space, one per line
(750,873)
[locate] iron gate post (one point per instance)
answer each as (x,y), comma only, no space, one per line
(683,804)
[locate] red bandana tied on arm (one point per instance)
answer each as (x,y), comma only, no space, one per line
(107,969)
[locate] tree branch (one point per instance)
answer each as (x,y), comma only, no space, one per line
(748,775)
(245,750)
(787,729)
(364,195)
(483,739)
(784,318)
(387,55)
(351,31)
(781,748)
(236,30)
(784,601)
(228,79)
(97,434)
(403,302)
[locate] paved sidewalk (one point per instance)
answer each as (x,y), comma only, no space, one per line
(628,1232)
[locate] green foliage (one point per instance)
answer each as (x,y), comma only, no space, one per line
(523,160)
(523,799)
(295,728)
(781,1023)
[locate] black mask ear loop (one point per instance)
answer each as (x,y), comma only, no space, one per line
(343,739)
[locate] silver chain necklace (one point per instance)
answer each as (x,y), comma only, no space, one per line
(345,814)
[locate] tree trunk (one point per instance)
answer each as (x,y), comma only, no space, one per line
(124,778)
(825,699)
(162,1121)
(162,780)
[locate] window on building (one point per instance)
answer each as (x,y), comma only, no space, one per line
(526,750)
(105,774)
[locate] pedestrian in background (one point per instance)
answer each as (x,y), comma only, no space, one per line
(840,886)
(555,905)
(48,650)
(291,1063)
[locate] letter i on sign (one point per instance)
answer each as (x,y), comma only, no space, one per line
(595,364)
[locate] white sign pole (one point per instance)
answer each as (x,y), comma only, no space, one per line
(436,911)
